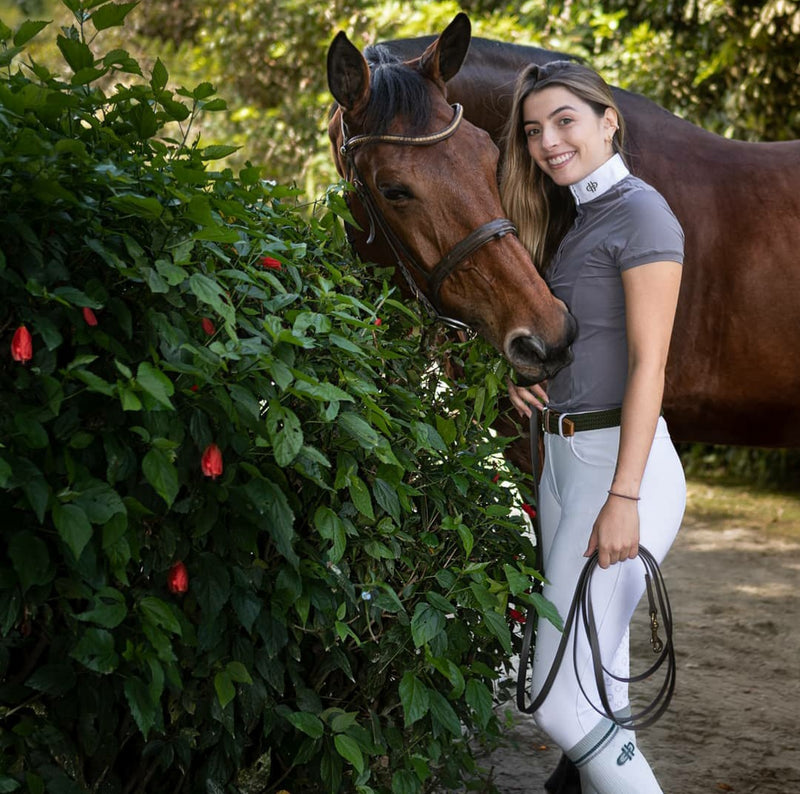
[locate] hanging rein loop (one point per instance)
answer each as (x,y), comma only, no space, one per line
(433,278)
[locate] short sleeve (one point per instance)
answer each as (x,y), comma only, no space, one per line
(648,231)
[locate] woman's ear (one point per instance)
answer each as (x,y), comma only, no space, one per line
(611,123)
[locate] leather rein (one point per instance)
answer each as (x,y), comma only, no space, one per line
(432,277)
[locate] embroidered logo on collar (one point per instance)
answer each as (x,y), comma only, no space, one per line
(591,186)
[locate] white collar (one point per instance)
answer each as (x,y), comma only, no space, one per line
(600,180)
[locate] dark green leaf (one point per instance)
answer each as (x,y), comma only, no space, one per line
(443,714)
(352,424)
(159,613)
(76,53)
(95,650)
(53,679)
(479,699)
(27,30)
(155,383)
(497,625)
(161,473)
(285,432)
(349,749)
(141,704)
(73,527)
(108,609)
(223,685)
(31,560)
(415,698)
(426,623)
(270,502)
(309,724)
(359,493)
(160,75)
(112,15)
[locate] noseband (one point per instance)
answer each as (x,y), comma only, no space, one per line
(435,277)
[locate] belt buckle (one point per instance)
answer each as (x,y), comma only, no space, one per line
(566,427)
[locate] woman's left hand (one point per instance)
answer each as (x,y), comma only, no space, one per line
(615,534)
(523,397)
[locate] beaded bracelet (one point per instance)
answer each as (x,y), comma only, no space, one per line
(624,496)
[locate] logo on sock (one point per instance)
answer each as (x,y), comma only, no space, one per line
(626,754)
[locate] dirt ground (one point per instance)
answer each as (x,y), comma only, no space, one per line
(734,723)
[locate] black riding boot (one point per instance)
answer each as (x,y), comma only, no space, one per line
(565,779)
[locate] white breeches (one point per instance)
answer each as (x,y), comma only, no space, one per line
(577,474)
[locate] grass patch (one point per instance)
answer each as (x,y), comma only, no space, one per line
(770,509)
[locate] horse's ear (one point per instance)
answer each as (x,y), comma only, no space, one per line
(348,73)
(442,60)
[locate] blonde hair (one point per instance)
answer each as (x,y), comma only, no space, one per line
(542,210)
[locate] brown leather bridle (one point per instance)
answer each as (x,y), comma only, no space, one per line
(436,276)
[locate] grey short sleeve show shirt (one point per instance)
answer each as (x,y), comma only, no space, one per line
(629,225)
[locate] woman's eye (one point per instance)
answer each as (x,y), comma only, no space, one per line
(532,131)
(566,120)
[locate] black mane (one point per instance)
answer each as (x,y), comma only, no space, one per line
(395,91)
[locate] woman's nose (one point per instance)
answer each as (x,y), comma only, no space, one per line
(549,137)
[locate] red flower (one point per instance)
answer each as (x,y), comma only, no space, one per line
(378,321)
(22,345)
(89,316)
(270,262)
(211,462)
(178,578)
(208,326)
(529,510)
(496,477)
(194,387)
(516,616)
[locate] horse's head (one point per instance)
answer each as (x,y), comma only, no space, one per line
(426,186)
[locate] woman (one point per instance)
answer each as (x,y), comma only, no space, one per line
(611,249)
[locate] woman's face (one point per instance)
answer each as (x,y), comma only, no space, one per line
(566,138)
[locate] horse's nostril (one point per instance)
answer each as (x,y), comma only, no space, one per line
(527,347)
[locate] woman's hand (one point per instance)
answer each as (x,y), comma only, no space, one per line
(523,397)
(615,534)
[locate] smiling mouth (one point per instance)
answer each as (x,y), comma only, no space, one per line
(561,159)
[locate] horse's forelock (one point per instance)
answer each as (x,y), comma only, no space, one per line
(395,90)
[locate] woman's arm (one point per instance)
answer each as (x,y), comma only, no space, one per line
(651,296)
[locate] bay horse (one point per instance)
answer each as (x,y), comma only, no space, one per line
(733,375)
(426,187)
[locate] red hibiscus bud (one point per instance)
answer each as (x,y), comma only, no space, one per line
(178,578)
(211,462)
(516,616)
(194,387)
(208,326)
(496,477)
(22,345)
(378,321)
(529,510)
(270,262)
(89,316)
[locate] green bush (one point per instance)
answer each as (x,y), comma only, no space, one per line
(252,538)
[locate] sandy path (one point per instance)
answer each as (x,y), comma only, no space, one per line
(734,722)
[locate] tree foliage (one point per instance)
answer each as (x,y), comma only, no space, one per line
(253,539)
(729,66)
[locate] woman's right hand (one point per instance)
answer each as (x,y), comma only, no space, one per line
(525,397)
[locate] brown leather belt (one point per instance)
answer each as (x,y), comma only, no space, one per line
(568,424)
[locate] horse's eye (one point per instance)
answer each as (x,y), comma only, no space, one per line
(395,192)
